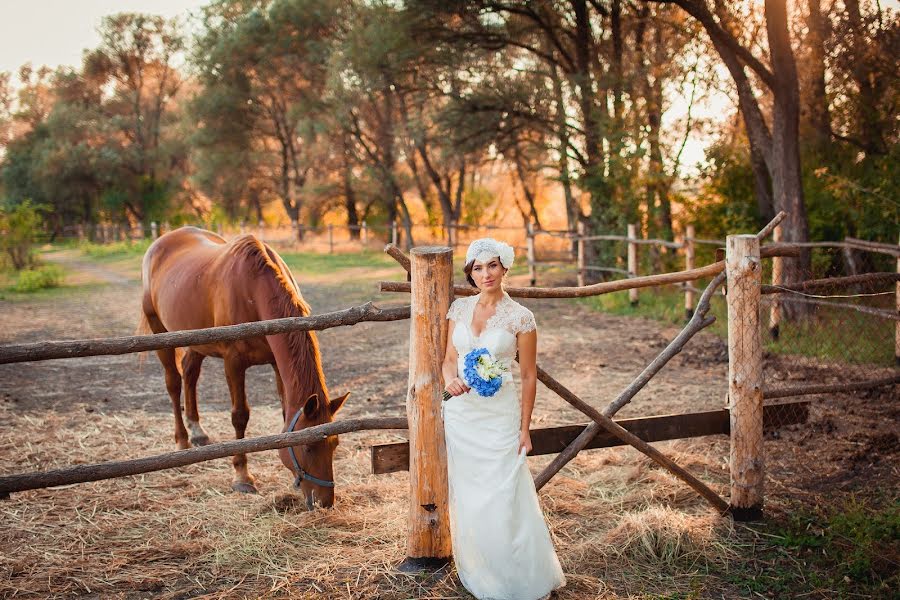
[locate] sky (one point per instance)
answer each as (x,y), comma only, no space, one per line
(55,32)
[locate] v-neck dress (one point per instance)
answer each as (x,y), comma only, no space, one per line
(501,545)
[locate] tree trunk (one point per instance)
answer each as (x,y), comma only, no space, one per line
(819,117)
(787,183)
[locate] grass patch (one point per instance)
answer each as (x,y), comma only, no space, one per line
(830,333)
(39,278)
(850,550)
(312,263)
(114,250)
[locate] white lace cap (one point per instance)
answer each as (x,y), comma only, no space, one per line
(484,249)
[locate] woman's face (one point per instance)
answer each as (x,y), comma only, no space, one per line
(489,274)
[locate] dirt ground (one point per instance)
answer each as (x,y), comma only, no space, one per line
(184,534)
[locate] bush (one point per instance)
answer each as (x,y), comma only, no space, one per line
(18,226)
(31,280)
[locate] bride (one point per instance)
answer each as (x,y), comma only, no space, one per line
(501,544)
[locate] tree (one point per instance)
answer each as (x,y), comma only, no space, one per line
(135,59)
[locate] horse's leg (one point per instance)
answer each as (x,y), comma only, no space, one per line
(173,380)
(173,385)
(235,371)
(280,385)
(190,369)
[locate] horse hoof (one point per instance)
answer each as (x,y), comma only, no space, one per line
(182,445)
(200,440)
(242,487)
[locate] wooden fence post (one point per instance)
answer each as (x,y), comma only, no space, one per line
(632,262)
(689,264)
(330,238)
(532,269)
(777,270)
(394,232)
(165,228)
(261,230)
(745,400)
(428,538)
(580,254)
(365,235)
(154,230)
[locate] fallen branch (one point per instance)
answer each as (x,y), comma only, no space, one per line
(180,458)
(16,353)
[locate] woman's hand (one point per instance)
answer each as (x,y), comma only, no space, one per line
(525,441)
(457,387)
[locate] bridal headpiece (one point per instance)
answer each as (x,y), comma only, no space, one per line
(485,249)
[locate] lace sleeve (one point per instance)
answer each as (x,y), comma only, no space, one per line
(524,321)
(456,310)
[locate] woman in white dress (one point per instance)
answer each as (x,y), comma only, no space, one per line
(501,545)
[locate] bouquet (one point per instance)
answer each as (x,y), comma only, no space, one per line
(482,372)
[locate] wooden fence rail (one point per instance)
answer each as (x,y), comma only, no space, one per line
(180,458)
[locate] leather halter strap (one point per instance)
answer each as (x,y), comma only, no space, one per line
(298,470)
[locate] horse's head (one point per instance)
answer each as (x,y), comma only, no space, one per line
(311,464)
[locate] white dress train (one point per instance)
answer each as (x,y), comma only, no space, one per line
(501,545)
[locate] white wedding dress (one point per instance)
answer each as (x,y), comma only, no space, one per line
(501,544)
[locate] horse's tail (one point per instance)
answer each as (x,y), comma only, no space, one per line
(143,328)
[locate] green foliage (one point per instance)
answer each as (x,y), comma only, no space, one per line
(476,202)
(43,277)
(19,224)
(115,250)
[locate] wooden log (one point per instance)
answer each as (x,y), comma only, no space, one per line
(529,239)
(36,351)
(632,262)
(580,254)
(873,246)
(744,273)
(390,458)
(688,265)
(607,287)
(830,282)
(697,322)
(771,225)
(632,440)
(830,388)
(428,537)
(180,458)
(777,275)
(892,315)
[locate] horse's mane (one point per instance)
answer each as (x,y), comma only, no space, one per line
(303,345)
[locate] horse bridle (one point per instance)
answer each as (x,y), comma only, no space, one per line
(300,473)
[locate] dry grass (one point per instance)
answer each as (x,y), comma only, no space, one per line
(182,533)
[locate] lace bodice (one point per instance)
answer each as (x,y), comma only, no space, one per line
(500,331)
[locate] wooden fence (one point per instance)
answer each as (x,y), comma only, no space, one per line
(430,284)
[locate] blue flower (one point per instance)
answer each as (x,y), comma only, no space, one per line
(484,387)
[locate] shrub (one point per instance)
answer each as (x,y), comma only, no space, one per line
(18,226)
(31,280)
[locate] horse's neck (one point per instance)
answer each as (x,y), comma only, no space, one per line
(296,353)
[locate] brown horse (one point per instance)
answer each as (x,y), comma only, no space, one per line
(194,279)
